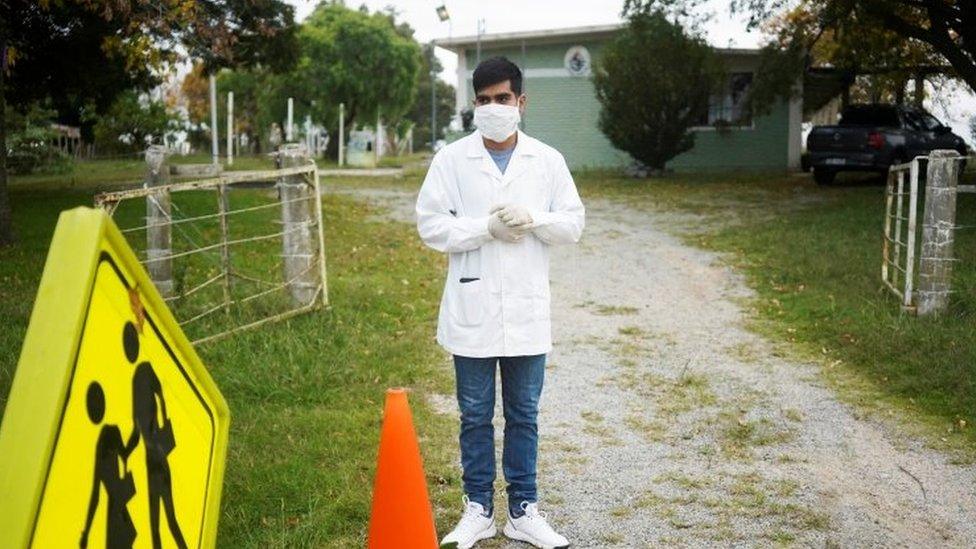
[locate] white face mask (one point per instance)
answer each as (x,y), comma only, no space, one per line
(497,122)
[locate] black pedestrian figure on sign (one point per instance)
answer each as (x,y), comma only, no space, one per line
(153,426)
(110,472)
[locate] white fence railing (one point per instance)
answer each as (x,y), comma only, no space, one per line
(901,214)
(917,257)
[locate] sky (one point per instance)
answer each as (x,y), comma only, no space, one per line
(722,30)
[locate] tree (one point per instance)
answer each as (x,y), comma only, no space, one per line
(31,141)
(132,123)
(72,57)
(254,90)
(352,57)
(341,52)
(859,60)
(195,94)
(241,33)
(444,96)
(82,53)
(653,82)
(946,28)
(250,109)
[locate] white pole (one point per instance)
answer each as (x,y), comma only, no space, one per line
(291,112)
(309,141)
(342,134)
(376,141)
(214,146)
(230,128)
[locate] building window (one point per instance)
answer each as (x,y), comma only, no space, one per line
(729,107)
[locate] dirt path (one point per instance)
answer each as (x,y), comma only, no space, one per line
(664,421)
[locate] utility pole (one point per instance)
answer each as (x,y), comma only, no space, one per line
(443,15)
(433,100)
(342,133)
(230,128)
(214,144)
(377,140)
(291,112)
(481,30)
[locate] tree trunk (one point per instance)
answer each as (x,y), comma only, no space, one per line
(6,223)
(332,151)
(845,92)
(919,89)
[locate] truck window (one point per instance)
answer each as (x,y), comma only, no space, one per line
(929,121)
(870,116)
(912,120)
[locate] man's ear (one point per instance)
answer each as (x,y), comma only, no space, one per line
(522,100)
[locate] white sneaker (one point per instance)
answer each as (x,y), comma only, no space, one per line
(473,527)
(533,528)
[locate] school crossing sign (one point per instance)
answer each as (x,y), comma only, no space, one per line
(114,434)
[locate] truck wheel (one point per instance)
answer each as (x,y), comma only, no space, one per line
(823,176)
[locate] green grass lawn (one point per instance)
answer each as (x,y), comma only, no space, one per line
(813,254)
(306,395)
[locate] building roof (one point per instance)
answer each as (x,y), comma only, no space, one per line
(461,43)
(592,31)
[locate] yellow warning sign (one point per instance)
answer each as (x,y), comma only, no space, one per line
(114,434)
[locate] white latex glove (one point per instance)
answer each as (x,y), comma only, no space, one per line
(504,232)
(513,215)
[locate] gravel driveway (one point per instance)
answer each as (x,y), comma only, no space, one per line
(664,421)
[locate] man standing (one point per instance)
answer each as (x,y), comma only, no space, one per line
(495,201)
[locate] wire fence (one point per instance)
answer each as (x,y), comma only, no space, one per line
(919,255)
(230,252)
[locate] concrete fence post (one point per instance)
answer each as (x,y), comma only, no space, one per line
(297,216)
(938,233)
(159,241)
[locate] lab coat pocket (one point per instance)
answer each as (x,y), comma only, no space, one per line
(468,305)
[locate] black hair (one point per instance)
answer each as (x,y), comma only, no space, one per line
(495,71)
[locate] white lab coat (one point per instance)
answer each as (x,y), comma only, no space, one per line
(502,308)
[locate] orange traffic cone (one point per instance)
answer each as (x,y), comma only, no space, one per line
(402,517)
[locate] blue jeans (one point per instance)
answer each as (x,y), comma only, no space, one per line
(521,387)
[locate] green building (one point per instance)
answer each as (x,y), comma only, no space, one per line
(563,109)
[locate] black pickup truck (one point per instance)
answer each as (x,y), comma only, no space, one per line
(873,137)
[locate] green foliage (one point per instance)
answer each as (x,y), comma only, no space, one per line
(776,78)
(30,142)
(420,111)
(257,102)
(241,33)
(341,53)
(676,9)
(353,57)
(64,57)
(653,82)
(926,35)
(884,42)
(131,124)
(30,149)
